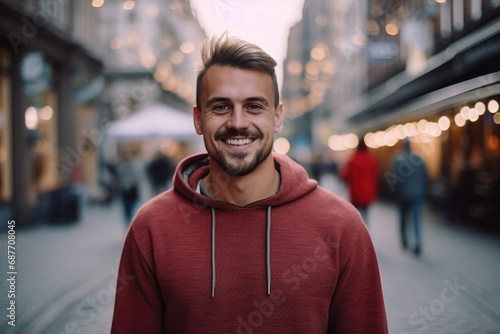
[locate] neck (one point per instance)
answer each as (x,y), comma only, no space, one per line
(263,182)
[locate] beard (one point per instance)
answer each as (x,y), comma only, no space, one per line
(234,163)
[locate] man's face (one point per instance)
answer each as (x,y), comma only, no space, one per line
(237,117)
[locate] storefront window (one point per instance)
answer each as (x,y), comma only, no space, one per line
(41,123)
(5,126)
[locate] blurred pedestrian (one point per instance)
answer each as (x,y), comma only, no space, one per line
(128,185)
(160,170)
(361,176)
(318,166)
(409,180)
(246,242)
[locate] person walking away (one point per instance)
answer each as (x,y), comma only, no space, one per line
(361,175)
(246,242)
(128,186)
(160,170)
(410,183)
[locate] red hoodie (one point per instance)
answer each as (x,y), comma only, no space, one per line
(300,261)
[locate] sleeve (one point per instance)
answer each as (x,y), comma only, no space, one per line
(139,306)
(358,305)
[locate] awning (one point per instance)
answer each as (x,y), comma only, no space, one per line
(155,121)
(466,71)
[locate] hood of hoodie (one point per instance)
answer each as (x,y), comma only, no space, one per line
(294,182)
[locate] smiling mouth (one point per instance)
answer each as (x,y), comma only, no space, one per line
(238,142)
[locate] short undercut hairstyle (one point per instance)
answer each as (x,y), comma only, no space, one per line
(237,53)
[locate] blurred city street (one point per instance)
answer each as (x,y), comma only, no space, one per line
(67,273)
(60,266)
(392,101)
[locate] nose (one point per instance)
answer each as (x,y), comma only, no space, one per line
(238,119)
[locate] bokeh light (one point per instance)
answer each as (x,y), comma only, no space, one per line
(282,145)
(444,123)
(493,106)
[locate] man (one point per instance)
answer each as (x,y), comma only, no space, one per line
(410,180)
(245,242)
(361,176)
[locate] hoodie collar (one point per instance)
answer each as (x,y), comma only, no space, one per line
(295,182)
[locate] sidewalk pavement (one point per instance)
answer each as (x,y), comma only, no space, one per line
(59,266)
(66,275)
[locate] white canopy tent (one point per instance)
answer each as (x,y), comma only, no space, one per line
(155,128)
(155,121)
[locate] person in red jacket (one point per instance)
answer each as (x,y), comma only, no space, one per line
(361,176)
(245,242)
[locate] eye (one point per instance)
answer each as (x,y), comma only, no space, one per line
(254,107)
(220,107)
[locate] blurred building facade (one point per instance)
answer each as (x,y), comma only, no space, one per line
(151,52)
(49,77)
(67,68)
(324,69)
(422,69)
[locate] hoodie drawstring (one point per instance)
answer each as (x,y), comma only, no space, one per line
(268,251)
(213,252)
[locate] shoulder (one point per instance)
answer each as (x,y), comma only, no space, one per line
(341,210)
(333,201)
(339,221)
(162,212)
(330,212)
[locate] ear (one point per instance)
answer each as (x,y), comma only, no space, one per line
(197,120)
(279,117)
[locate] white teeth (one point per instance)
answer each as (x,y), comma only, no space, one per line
(238,141)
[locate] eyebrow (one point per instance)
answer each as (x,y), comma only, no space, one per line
(216,99)
(260,99)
